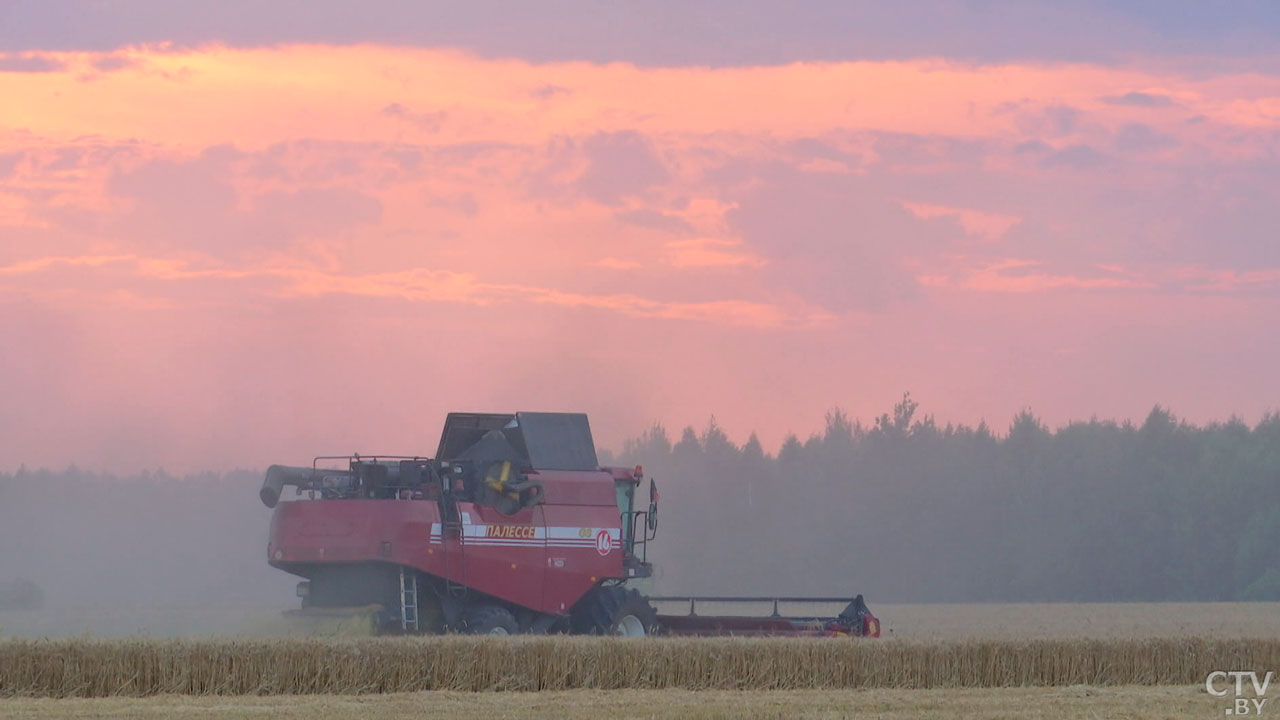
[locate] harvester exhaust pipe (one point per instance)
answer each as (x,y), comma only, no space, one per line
(277,477)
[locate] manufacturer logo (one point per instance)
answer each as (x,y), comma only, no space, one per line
(604,543)
(1248,699)
(522,532)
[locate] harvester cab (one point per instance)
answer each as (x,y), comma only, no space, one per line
(498,461)
(512,527)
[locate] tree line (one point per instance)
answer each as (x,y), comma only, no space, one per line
(906,510)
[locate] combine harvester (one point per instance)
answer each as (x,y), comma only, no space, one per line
(513,527)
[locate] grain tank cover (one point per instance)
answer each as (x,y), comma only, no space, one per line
(462,430)
(547,441)
(558,441)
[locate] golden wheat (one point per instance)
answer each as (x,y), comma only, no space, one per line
(89,668)
(1179,702)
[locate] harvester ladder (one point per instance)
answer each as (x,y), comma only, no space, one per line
(408,599)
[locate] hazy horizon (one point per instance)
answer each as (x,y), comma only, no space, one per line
(611,453)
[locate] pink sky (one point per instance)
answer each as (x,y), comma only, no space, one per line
(216,256)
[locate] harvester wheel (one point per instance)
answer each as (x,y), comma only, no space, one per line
(490,620)
(614,610)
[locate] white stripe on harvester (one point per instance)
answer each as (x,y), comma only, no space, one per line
(558,536)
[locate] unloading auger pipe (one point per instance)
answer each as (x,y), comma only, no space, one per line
(280,475)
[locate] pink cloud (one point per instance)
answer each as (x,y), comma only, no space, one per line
(1026,276)
(645,243)
(416,285)
(986,226)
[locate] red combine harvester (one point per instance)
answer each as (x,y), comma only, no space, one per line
(512,527)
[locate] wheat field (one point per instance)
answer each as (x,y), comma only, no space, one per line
(1068,703)
(139,668)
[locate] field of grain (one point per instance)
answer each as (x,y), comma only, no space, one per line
(1136,661)
(1071,703)
(74,668)
(994,621)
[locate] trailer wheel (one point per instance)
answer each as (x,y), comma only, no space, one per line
(490,620)
(614,610)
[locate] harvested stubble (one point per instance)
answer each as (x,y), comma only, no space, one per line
(87,668)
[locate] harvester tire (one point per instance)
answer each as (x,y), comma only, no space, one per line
(490,620)
(614,610)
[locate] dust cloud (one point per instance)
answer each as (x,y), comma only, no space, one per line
(149,553)
(900,510)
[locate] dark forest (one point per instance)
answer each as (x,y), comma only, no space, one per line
(906,510)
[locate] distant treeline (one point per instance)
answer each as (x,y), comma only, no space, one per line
(907,510)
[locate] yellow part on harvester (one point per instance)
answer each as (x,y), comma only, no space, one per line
(499,484)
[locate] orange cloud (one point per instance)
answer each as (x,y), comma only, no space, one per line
(711,253)
(374,93)
(614,263)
